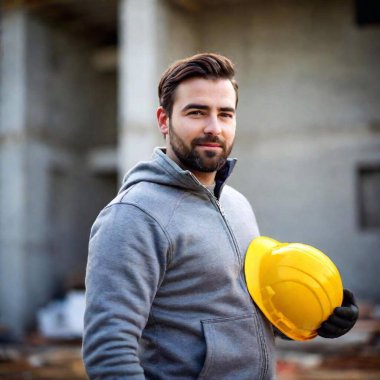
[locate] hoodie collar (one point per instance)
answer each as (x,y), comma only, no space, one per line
(184,176)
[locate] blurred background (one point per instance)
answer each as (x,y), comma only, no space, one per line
(78,95)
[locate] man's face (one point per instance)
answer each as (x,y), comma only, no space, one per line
(202,125)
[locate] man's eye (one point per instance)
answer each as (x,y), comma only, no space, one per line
(196,113)
(226,115)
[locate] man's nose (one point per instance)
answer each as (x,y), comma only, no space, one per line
(213,126)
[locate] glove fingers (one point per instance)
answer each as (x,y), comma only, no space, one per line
(350,313)
(348,298)
(325,334)
(342,319)
(328,330)
(339,322)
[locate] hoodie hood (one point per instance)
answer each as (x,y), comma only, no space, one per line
(162,170)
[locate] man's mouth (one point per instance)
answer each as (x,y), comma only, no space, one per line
(210,145)
(210,142)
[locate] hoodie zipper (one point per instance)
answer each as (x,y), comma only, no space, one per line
(261,333)
(218,206)
(261,336)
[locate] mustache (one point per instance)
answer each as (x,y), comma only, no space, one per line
(208,139)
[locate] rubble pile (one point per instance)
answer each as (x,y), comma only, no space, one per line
(42,361)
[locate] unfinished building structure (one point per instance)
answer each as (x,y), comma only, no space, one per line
(77,109)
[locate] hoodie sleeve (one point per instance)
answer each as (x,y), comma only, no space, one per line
(126,263)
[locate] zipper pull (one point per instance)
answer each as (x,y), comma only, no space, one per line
(220,207)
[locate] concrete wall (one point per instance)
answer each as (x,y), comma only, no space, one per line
(152,35)
(55,108)
(180,34)
(307,98)
(308,95)
(58,142)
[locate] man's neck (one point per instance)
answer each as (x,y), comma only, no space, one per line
(205,179)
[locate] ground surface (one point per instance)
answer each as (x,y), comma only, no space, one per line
(353,357)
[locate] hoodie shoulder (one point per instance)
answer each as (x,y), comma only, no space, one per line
(155,199)
(231,193)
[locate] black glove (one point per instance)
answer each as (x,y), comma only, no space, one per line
(342,319)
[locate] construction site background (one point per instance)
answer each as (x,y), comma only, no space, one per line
(78,94)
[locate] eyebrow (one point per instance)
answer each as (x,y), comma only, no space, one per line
(204,107)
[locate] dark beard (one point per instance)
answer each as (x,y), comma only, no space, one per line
(208,162)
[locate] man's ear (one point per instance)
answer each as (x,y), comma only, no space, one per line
(163,121)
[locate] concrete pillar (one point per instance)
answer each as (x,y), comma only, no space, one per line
(13,173)
(138,75)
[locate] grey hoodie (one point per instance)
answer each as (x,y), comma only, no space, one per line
(166,295)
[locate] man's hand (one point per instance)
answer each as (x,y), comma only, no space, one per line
(342,319)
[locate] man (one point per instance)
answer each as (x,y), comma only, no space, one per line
(166,294)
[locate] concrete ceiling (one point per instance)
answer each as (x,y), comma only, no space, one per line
(97,20)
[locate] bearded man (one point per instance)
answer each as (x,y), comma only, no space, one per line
(166,294)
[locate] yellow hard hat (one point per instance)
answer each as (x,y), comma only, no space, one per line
(296,286)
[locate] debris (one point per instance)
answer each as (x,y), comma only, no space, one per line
(354,356)
(63,319)
(44,363)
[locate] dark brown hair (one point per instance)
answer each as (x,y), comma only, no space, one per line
(204,65)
